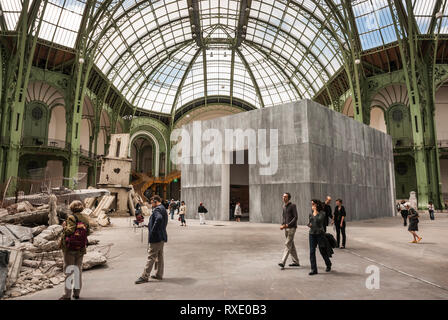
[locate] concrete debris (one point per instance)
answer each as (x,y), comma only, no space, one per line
(36,261)
(37,230)
(52,214)
(92,259)
(4,260)
(3,212)
(63,195)
(31,219)
(48,240)
(20,207)
(93,242)
(6,241)
(51,233)
(100,212)
(22,234)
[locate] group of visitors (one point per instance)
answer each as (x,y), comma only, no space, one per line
(319,218)
(409,213)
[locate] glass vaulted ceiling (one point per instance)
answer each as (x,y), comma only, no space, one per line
(152,57)
(155,61)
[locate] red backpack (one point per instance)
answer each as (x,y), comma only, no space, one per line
(78,239)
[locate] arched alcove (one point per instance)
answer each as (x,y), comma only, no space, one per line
(58,127)
(134,149)
(377,119)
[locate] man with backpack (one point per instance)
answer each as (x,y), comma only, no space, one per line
(157,238)
(73,245)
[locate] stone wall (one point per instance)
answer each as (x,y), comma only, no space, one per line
(320,152)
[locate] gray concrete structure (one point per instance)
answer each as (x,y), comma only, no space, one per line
(320,152)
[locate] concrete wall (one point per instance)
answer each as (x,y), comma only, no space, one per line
(320,152)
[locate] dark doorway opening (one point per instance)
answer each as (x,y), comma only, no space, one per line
(239,186)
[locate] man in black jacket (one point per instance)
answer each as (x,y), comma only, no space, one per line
(289,225)
(328,214)
(202,211)
(157,238)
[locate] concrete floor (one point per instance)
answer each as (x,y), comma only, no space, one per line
(229,260)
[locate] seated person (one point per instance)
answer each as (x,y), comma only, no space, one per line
(138,215)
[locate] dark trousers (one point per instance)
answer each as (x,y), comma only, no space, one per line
(405,218)
(314,242)
(340,230)
(431,214)
(172,214)
(182,218)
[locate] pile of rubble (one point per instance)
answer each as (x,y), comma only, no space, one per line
(30,242)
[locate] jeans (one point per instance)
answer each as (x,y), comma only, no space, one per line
(314,242)
(182,218)
(340,230)
(431,214)
(172,214)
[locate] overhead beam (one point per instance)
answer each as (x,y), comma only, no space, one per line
(195,21)
(3,26)
(433,24)
(243,20)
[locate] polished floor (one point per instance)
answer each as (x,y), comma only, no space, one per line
(229,260)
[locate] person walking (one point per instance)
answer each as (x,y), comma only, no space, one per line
(73,244)
(328,215)
(339,222)
(182,212)
(316,234)
(157,238)
(289,224)
(413,223)
(172,208)
(404,213)
(431,210)
(238,212)
(202,211)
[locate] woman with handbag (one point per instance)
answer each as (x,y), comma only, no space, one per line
(413,223)
(182,211)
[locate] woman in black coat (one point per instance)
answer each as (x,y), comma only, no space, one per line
(317,236)
(339,222)
(413,223)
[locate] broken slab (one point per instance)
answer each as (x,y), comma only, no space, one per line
(52,214)
(20,207)
(92,259)
(14,265)
(30,219)
(37,230)
(6,241)
(20,233)
(4,261)
(63,196)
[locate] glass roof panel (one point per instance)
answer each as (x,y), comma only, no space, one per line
(423,11)
(374,23)
(11,11)
(150,46)
(61,21)
(221,12)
